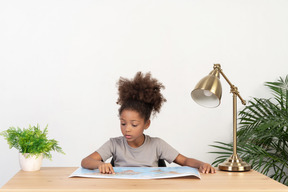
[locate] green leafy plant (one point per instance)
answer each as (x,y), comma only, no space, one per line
(31,140)
(262,138)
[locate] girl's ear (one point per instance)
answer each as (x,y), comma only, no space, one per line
(147,124)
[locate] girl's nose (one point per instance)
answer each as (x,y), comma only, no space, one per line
(128,128)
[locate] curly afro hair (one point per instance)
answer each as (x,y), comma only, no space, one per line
(141,94)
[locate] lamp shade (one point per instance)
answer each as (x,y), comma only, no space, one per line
(208,91)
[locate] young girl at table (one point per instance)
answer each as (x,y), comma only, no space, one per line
(138,99)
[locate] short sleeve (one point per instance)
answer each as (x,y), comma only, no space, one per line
(166,151)
(106,150)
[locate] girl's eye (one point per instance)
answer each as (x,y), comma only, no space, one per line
(134,125)
(123,124)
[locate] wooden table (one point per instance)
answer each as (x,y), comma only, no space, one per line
(56,179)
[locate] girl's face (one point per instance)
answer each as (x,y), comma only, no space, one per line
(132,127)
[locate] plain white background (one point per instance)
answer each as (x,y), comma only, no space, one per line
(60,61)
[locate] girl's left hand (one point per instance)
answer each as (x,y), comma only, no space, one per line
(206,168)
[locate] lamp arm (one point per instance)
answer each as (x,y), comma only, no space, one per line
(234,89)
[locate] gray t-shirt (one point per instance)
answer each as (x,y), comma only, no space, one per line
(147,155)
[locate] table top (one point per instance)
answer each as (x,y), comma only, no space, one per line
(57,179)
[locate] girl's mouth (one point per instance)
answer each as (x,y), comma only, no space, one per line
(128,136)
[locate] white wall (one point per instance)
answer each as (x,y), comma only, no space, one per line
(60,61)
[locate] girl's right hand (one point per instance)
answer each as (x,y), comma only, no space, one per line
(106,168)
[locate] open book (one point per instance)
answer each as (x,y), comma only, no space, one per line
(139,172)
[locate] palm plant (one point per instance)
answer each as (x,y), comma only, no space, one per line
(262,138)
(31,140)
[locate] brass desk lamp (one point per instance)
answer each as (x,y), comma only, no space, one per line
(208,93)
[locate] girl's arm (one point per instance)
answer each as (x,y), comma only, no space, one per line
(94,161)
(203,167)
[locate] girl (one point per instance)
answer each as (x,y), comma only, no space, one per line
(138,99)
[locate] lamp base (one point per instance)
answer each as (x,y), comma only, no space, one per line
(234,163)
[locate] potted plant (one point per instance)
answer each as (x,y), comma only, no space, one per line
(263,134)
(32,144)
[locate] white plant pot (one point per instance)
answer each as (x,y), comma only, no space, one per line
(32,163)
